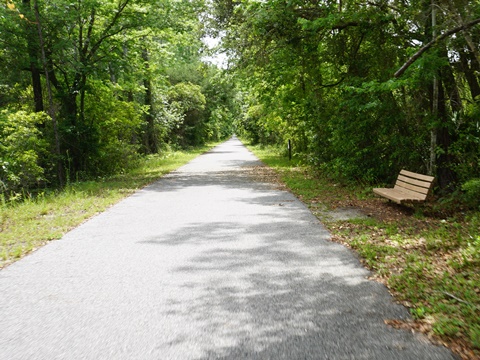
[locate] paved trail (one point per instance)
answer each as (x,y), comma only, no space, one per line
(204,264)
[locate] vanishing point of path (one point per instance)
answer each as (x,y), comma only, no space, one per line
(206,263)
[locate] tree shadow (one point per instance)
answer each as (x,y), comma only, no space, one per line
(263,293)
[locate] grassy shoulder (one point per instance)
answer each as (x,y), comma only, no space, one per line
(29,224)
(428,260)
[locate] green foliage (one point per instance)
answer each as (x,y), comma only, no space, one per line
(466,147)
(21,151)
(472,192)
(214,98)
(168,119)
(447,326)
(188,100)
(475,336)
(116,124)
(419,312)
(187,97)
(222,106)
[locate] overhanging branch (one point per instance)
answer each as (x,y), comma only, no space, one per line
(431,43)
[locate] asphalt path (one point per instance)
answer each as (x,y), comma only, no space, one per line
(206,263)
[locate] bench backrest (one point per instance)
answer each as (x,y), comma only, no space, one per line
(412,182)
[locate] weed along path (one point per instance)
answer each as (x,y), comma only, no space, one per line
(206,263)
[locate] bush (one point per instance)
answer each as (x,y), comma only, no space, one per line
(21,151)
(188,100)
(472,192)
(115,125)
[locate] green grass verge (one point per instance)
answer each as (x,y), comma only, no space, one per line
(29,224)
(430,263)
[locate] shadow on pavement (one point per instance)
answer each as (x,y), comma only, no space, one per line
(276,298)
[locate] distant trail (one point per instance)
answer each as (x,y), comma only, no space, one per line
(206,263)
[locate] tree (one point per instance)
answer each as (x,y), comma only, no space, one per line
(322,75)
(103,71)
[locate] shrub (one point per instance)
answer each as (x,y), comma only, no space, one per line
(22,148)
(115,125)
(472,192)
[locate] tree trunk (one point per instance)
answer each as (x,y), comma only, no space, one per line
(446,175)
(151,145)
(435,101)
(69,112)
(51,108)
(37,88)
(469,70)
(35,60)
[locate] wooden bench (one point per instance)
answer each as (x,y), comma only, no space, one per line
(410,187)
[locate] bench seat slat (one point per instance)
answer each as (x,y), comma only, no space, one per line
(399,196)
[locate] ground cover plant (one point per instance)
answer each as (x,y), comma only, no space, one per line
(428,256)
(30,221)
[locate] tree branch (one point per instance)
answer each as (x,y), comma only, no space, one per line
(89,33)
(342,26)
(427,46)
(459,300)
(322,86)
(93,52)
(105,33)
(383,6)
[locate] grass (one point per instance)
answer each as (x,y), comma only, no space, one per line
(27,225)
(429,261)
